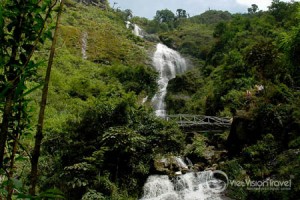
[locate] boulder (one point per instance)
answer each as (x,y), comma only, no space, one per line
(171,165)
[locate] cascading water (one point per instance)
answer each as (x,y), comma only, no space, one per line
(84,45)
(137,31)
(159,187)
(190,186)
(168,63)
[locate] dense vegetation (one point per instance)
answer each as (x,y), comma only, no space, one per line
(251,73)
(100,140)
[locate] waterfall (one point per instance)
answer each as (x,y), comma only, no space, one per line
(168,63)
(137,31)
(190,186)
(128,24)
(181,163)
(84,45)
(159,187)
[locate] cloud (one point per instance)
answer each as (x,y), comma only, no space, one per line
(262,4)
(147,8)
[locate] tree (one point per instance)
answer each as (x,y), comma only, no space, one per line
(128,14)
(281,10)
(111,147)
(290,43)
(263,57)
(181,13)
(164,16)
(22,30)
(253,9)
(164,20)
(22,25)
(40,125)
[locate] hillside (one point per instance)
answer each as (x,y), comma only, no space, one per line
(93,138)
(114,59)
(94,108)
(101,140)
(251,73)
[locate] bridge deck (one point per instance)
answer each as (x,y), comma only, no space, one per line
(201,121)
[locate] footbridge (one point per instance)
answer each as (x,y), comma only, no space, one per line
(201,122)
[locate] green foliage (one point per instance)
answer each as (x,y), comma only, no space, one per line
(164,16)
(137,79)
(100,142)
(198,146)
(180,89)
(108,40)
(236,172)
(181,14)
(93,195)
(265,149)
(190,38)
(234,100)
(250,51)
(103,88)
(283,12)
(253,9)
(259,161)
(25,27)
(115,140)
(210,17)
(6,182)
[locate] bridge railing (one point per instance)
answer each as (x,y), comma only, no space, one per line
(186,120)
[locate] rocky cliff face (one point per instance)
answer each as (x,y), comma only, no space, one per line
(244,132)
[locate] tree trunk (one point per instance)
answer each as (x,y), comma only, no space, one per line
(17,133)
(5,125)
(12,78)
(39,133)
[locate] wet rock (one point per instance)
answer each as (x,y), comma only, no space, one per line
(212,168)
(171,165)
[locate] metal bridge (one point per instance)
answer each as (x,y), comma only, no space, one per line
(201,122)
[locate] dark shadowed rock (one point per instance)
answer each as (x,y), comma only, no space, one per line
(244,132)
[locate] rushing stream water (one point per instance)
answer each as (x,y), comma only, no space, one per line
(190,186)
(167,63)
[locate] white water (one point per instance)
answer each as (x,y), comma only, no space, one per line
(84,45)
(190,186)
(136,29)
(128,24)
(168,63)
(144,100)
(181,163)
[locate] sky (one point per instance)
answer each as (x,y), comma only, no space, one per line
(148,8)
